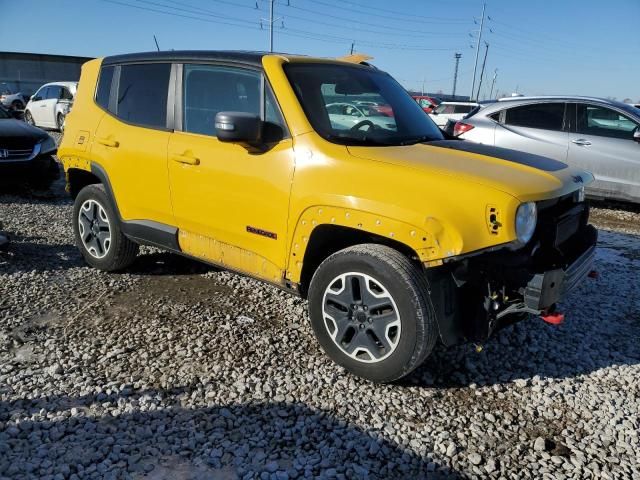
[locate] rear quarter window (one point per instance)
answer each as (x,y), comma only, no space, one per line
(104,87)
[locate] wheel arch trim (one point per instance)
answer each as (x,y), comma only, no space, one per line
(427,243)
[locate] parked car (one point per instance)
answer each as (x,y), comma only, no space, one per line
(345,116)
(50,105)
(451,111)
(378,107)
(599,135)
(395,236)
(428,104)
(24,149)
(10,99)
(449,127)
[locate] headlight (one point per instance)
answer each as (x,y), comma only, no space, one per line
(47,145)
(526,220)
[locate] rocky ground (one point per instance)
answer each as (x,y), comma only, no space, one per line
(173,370)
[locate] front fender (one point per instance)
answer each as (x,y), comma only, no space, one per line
(430,241)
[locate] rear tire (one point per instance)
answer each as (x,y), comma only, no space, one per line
(97,231)
(17,105)
(60,122)
(371,312)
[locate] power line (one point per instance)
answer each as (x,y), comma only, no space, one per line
(235,22)
(360,22)
(398,15)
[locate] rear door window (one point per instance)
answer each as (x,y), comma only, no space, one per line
(603,122)
(546,116)
(142,94)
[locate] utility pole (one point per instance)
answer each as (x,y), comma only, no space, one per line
(493,83)
(271,25)
(423,82)
(484,62)
(457,56)
(156,40)
(475,66)
(353,44)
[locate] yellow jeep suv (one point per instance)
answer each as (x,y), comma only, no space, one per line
(326,179)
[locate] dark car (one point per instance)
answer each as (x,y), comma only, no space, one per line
(25,150)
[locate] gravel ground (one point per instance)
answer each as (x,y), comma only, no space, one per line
(174,370)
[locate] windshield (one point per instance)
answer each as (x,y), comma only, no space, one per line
(354,105)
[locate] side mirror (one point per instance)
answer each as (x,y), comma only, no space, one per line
(636,134)
(238,127)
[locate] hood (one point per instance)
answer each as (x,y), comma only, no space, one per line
(15,134)
(524,176)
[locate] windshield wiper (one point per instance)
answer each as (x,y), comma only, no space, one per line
(413,141)
(365,141)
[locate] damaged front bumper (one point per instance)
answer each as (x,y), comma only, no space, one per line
(479,295)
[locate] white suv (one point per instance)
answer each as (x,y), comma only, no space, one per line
(9,99)
(49,106)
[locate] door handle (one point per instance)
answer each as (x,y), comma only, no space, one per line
(187,159)
(42,106)
(108,142)
(581,141)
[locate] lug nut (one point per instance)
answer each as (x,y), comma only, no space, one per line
(361,326)
(369,320)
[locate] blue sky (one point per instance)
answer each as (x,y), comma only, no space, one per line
(585,47)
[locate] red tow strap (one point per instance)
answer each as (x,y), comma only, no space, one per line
(555,318)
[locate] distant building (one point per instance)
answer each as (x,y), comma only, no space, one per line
(26,72)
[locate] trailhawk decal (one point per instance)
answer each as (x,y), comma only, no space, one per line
(264,233)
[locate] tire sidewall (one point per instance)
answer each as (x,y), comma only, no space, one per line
(97,194)
(407,301)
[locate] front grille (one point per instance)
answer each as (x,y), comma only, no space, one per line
(559,220)
(18,154)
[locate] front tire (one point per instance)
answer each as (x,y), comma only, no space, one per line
(97,231)
(371,312)
(28,118)
(60,122)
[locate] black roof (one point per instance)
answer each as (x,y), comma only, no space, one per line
(242,57)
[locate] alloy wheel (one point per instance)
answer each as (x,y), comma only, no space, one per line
(361,317)
(94,229)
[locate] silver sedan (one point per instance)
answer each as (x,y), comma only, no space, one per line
(602,136)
